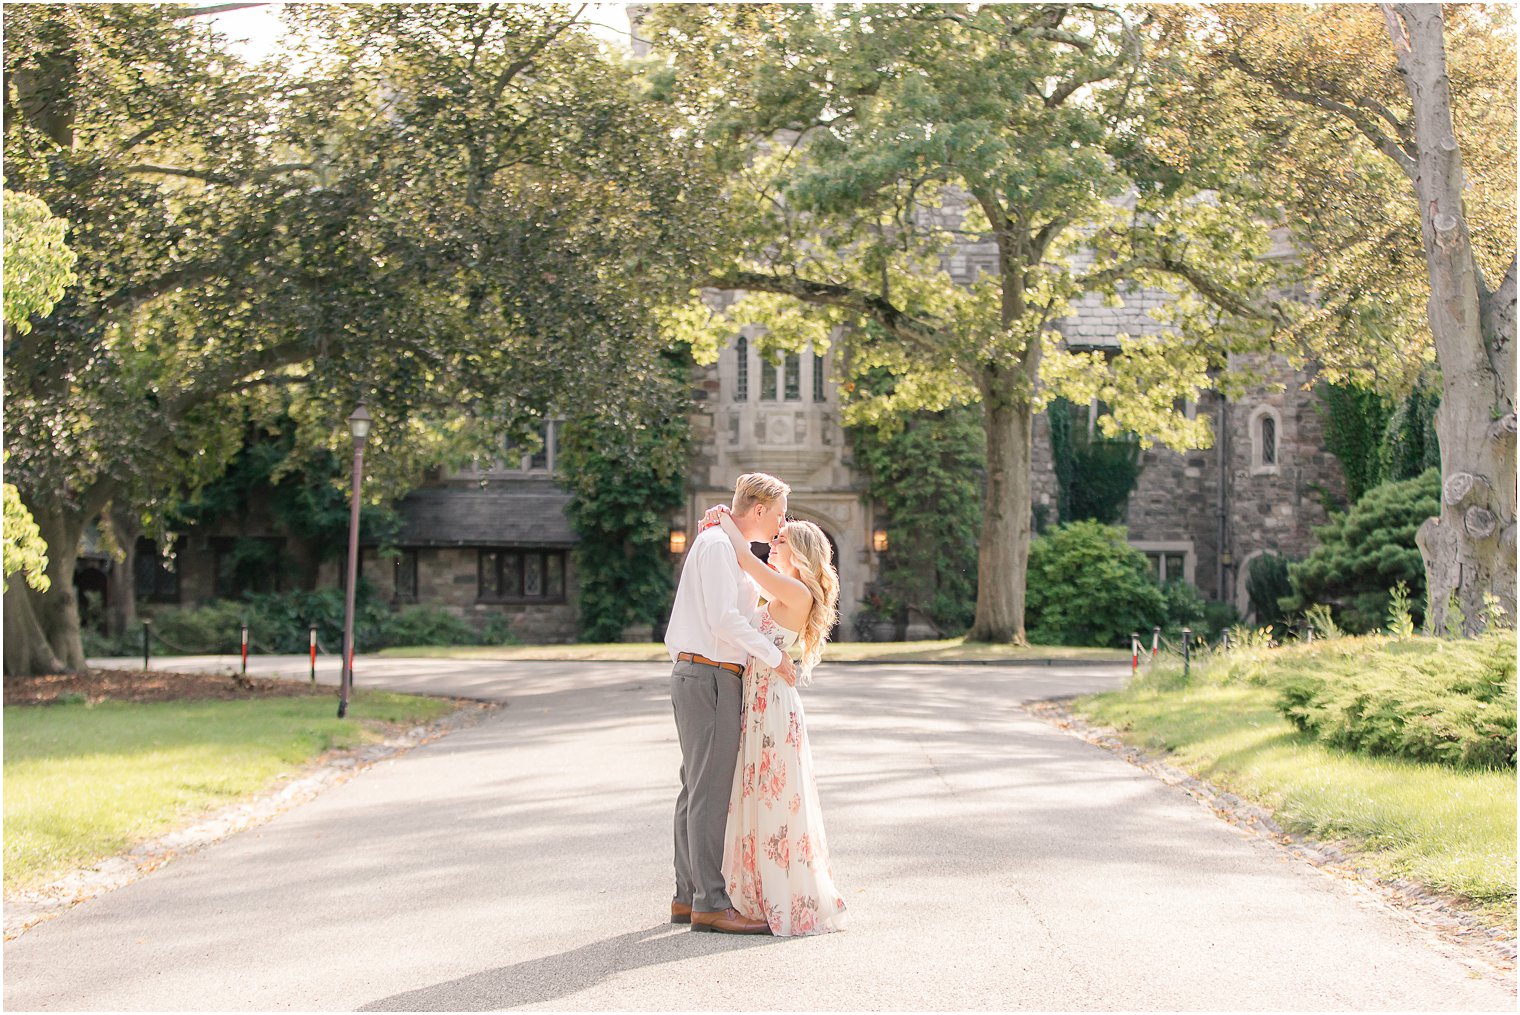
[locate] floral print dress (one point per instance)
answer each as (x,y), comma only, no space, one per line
(775,856)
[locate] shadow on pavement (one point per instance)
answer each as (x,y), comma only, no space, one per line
(555,976)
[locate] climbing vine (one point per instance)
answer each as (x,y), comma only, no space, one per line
(625,474)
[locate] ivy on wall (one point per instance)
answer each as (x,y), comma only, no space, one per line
(625,475)
(926,475)
(1095,475)
(1377,439)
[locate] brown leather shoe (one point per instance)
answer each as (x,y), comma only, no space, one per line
(680,912)
(728,921)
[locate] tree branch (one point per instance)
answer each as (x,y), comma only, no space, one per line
(197,12)
(1397,150)
(922,335)
(1209,288)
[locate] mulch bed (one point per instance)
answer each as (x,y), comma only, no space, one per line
(150,685)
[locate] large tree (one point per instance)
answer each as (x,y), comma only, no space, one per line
(463,213)
(1389,133)
(866,141)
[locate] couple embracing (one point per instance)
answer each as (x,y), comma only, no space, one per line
(750,852)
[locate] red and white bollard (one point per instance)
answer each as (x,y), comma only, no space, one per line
(1134,654)
(1155,642)
(314,653)
(245,650)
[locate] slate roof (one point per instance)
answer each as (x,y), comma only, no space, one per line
(502,513)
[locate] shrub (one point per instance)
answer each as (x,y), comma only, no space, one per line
(281,622)
(1087,586)
(212,628)
(1365,552)
(426,625)
(1267,585)
(1426,699)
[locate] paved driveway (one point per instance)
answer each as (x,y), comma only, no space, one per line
(989,861)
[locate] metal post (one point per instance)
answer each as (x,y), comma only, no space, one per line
(245,650)
(1155,642)
(145,643)
(1134,653)
(359,426)
(314,653)
(1187,656)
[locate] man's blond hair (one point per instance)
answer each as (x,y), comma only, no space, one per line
(757,488)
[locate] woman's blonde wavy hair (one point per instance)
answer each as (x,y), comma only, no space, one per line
(813,558)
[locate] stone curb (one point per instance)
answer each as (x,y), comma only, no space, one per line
(1488,951)
(26,909)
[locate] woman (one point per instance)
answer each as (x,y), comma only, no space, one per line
(775,857)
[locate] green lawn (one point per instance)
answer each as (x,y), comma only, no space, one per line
(84,782)
(1451,829)
(947,651)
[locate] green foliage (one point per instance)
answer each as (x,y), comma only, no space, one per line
(280,622)
(1267,584)
(464,213)
(1186,607)
(916,127)
(25,549)
(926,475)
(38,262)
(1400,620)
(1321,622)
(1095,474)
(1377,439)
(1365,552)
(1087,586)
(626,475)
(1451,703)
(426,625)
(305,492)
(1410,443)
(1356,423)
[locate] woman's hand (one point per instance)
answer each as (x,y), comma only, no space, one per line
(711,516)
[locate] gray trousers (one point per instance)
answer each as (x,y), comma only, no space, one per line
(707,701)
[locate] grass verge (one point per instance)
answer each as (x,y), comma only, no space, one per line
(951,650)
(85,781)
(1450,829)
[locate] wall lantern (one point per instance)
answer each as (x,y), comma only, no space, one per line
(677,541)
(879,540)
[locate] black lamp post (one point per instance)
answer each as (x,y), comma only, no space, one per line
(358,425)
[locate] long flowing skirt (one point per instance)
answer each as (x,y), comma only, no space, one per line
(775,855)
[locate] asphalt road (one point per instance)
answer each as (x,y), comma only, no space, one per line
(989,860)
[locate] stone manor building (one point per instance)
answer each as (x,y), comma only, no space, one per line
(495,539)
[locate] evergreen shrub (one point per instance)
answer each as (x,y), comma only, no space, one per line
(1367,551)
(1087,586)
(1429,699)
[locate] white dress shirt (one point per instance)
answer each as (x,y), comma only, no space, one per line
(714,611)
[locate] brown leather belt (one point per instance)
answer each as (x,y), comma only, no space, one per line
(692,657)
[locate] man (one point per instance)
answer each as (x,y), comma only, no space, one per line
(711,635)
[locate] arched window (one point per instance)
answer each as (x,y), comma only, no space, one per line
(1266,441)
(741,370)
(793,377)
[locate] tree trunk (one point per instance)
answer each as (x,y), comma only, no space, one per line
(1003,557)
(121,590)
(1469,550)
(42,628)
